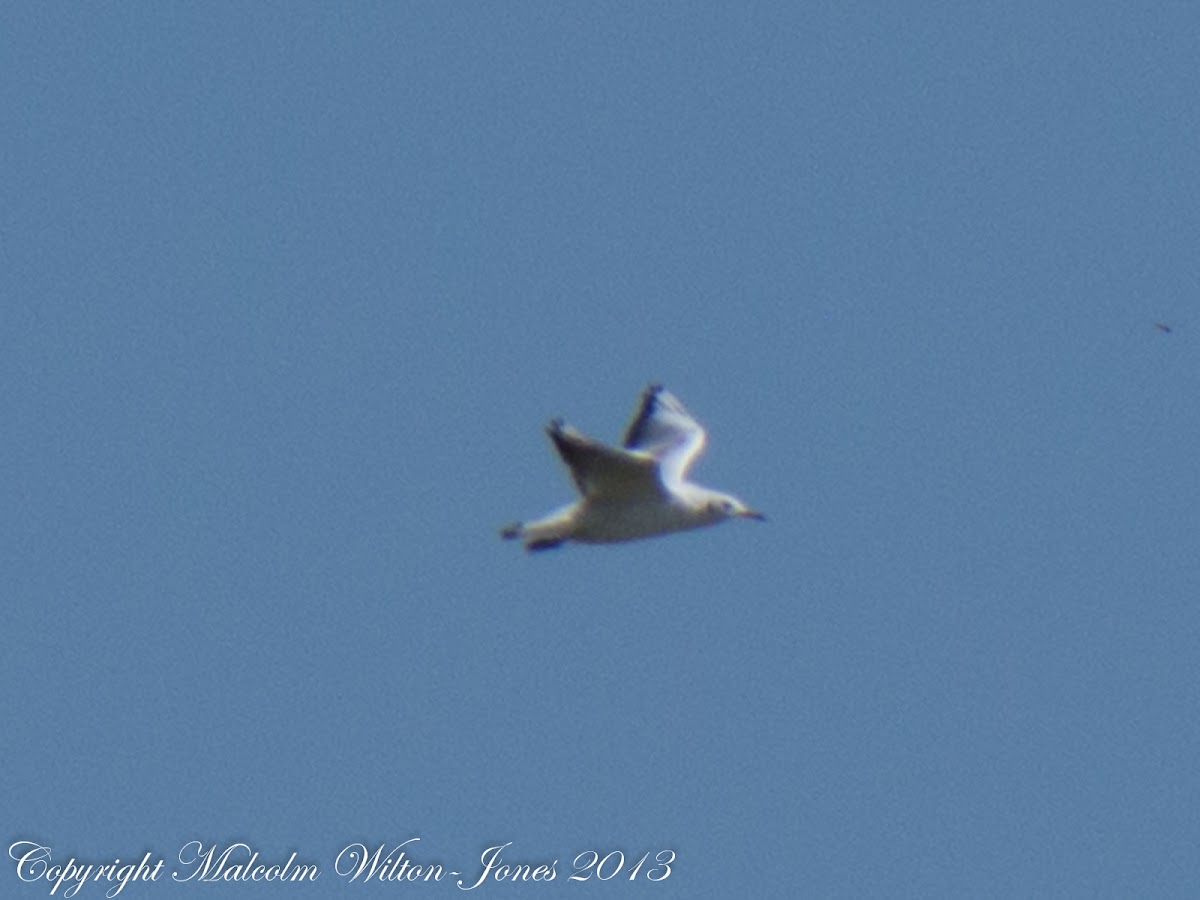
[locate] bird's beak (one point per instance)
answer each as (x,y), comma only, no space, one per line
(751,514)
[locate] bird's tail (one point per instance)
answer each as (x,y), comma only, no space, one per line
(534,540)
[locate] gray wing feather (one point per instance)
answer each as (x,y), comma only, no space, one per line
(664,429)
(601,471)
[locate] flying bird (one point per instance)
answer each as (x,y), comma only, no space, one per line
(637,490)
(1163,327)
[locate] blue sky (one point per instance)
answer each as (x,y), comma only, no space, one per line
(292,288)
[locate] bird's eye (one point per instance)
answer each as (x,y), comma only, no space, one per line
(726,506)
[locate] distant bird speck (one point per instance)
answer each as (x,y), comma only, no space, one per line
(634,491)
(1163,327)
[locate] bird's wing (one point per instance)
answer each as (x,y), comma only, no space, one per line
(666,431)
(601,471)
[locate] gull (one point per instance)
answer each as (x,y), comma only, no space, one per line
(637,490)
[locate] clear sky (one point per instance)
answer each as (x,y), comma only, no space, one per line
(290,290)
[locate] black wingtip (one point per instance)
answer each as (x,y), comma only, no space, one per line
(646,409)
(558,436)
(652,395)
(511,531)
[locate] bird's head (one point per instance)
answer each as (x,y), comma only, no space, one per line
(727,506)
